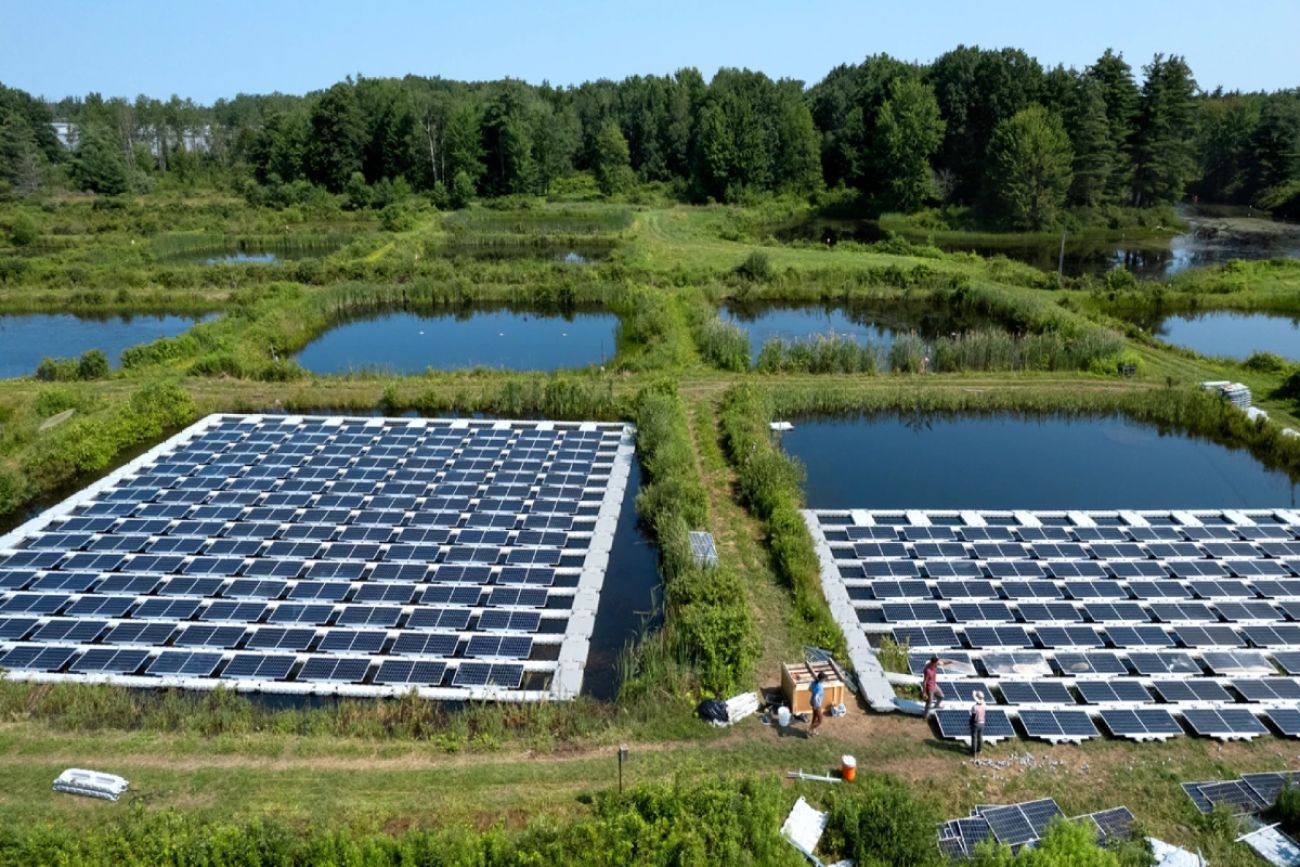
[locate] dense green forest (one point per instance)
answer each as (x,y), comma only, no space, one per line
(990,131)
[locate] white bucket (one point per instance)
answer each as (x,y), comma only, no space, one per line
(783,716)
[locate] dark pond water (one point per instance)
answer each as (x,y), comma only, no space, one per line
(1005,462)
(1233,335)
(414,342)
(876,324)
(260,251)
(1210,240)
(510,249)
(27,338)
(630,600)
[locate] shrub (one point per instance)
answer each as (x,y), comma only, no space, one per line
(725,345)
(757,267)
(93,364)
(24,231)
(882,824)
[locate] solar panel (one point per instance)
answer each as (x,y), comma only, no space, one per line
(1223,724)
(1058,725)
(1140,723)
(955,724)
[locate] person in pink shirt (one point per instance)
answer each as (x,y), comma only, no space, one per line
(930,683)
(977,724)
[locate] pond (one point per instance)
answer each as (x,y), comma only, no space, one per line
(27,338)
(208,250)
(630,599)
(410,343)
(1214,236)
(1008,462)
(1233,335)
(874,323)
(512,248)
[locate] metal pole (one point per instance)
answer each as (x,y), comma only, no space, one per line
(1060,262)
(622,754)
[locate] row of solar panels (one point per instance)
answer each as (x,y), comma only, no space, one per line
(1082,519)
(126,662)
(1020,825)
(1065,570)
(301,636)
(232,596)
(338,570)
(342,525)
(1272,530)
(1127,589)
(1097,692)
(1116,637)
(1099,663)
(365,543)
(1229,609)
(426,616)
(1140,723)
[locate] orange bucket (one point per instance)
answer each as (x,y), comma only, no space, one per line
(848,768)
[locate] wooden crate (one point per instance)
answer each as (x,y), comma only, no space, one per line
(797,677)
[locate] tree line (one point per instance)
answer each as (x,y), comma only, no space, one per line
(992,130)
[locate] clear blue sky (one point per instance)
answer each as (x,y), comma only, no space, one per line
(206,49)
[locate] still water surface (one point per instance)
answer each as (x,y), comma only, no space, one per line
(27,338)
(1233,335)
(414,342)
(1005,462)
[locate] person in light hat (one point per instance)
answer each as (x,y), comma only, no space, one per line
(977,724)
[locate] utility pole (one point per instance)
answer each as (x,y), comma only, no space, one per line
(1060,261)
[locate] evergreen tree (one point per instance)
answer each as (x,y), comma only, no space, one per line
(508,143)
(1275,143)
(908,131)
(464,145)
(21,162)
(1224,147)
(613,165)
(1030,168)
(1094,151)
(1120,94)
(99,165)
(1164,159)
(337,137)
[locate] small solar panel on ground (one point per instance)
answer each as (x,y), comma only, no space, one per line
(1113,825)
(954,723)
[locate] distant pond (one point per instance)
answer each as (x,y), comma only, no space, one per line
(27,338)
(1214,236)
(1009,462)
(1233,335)
(873,323)
(409,343)
(207,250)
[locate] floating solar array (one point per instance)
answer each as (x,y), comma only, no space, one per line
(1145,625)
(353,556)
(1021,825)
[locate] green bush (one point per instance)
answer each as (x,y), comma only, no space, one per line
(725,822)
(757,267)
(93,364)
(878,822)
(725,345)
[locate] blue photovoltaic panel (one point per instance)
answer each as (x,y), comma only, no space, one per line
(304,544)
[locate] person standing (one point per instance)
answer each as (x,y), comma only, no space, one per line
(977,724)
(930,684)
(816,698)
